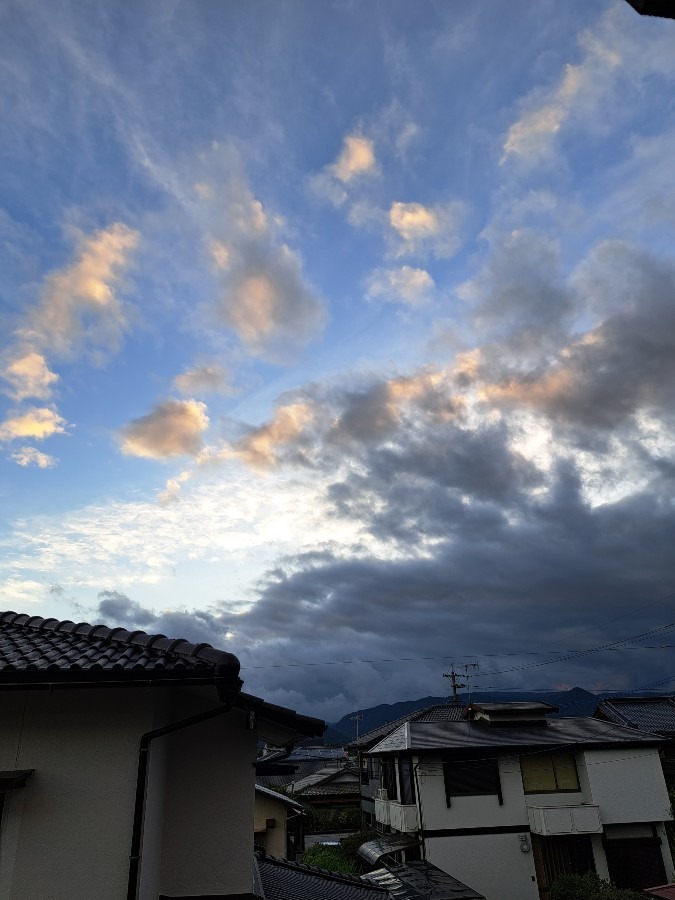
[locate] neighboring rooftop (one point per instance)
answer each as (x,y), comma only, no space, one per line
(285,880)
(36,649)
(468,735)
(274,795)
(655,714)
(440,712)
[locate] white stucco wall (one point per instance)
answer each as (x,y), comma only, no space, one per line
(209,767)
(627,785)
(493,865)
(67,834)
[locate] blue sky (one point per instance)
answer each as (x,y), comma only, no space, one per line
(337,331)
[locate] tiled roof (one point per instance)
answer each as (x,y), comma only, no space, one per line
(441,712)
(467,736)
(330,789)
(656,714)
(285,880)
(36,650)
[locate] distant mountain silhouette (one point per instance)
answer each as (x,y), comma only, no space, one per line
(575,702)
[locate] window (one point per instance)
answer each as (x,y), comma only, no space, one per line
(545,773)
(373,767)
(469,778)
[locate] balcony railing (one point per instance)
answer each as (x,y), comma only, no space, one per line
(400,816)
(584,818)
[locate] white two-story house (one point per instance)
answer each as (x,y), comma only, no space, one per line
(508,799)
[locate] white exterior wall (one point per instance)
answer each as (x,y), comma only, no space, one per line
(209,771)
(67,834)
(627,785)
(493,865)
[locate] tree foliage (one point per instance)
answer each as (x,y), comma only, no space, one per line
(588,887)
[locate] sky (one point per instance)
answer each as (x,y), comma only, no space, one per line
(342,336)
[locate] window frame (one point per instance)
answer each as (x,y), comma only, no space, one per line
(491,765)
(550,756)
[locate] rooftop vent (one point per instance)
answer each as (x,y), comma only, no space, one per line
(513,715)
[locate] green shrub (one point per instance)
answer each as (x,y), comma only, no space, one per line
(588,887)
(331,858)
(350,844)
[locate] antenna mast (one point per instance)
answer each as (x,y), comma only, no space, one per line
(357,718)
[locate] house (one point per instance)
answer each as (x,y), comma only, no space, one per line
(333,794)
(369,766)
(650,713)
(127,764)
(507,799)
(278,823)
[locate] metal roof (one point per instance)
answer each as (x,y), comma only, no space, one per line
(440,712)
(421,880)
(655,714)
(468,736)
(372,851)
(282,798)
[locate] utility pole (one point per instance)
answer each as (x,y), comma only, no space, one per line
(357,718)
(453,676)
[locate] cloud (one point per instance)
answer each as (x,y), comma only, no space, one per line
(357,158)
(262,293)
(267,303)
(203,379)
(173,428)
(263,446)
(29,376)
(595,93)
(355,161)
(623,364)
(79,303)
(117,607)
(424,230)
(37,423)
(407,285)
(30,456)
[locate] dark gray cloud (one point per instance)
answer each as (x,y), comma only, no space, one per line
(474,546)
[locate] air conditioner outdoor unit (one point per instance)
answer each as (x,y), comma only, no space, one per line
(381,794)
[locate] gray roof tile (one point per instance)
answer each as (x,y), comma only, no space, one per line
(284,880)
(34,649)
(656,714)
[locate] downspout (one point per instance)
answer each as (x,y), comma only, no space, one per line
(227,692)
(419,808)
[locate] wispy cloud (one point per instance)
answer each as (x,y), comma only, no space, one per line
(356,160)
(173,428)
(426,230)
(208,378)
(31,456)
(406,285)
(79,303)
